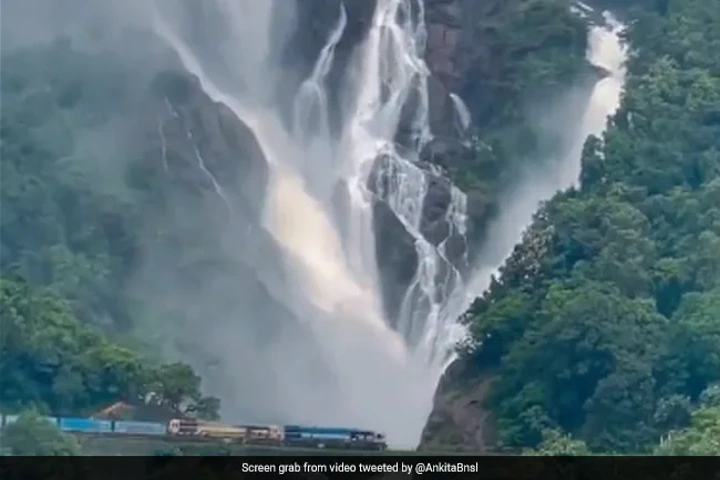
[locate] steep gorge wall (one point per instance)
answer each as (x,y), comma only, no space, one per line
(199,179)
(466,56)
(461,418)
(203,178)
(497,56)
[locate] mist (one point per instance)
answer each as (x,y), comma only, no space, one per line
(286,320)
(332,280)
(577,113)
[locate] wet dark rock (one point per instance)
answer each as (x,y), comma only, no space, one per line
(190,124)
(445,151)
(434,225)
(459,417)
(397,258)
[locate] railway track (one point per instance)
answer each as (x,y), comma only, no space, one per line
(144,445)
(107,443)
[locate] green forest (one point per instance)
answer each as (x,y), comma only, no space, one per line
(66,249)
(602,330)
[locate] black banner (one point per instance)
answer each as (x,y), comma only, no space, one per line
(417,467)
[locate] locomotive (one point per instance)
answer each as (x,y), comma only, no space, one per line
(321,437)
(269,435)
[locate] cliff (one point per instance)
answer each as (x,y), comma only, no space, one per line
(599,333)
(469,53)
(145,197)
(497,56)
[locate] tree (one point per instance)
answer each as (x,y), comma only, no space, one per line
(702,435)
(607,329)
(33,435)
(556,443)
(701,438)
(49,358)
(178,387)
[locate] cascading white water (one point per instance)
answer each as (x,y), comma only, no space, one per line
(387,377)
(394,69)
(605,50)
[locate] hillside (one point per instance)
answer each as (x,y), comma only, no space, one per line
(110,205)
(603,324)
(136,256)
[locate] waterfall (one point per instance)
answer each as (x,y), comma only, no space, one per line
(394,69)
(386,376)
(605,50)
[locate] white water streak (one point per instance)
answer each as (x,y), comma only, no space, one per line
(605,49)
(198,157)
(311,124)
(163,144)
(462,112)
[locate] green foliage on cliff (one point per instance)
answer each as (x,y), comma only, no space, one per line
(605,321)
(527,53)
(702,436)
(66,247)
(51,360)
(55,229)
(534,46)
(556,443)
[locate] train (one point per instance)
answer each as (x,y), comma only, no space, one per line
(268,435)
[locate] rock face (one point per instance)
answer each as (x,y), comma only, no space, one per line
(395,247)
(460,55)
(397,257)
(460,62)
(315,20)
(206,176)
(460,418)
(207,260)
(205,142)
(471,46)
(448,41)
(201,147)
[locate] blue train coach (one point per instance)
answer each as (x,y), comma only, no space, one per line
(10,419)
(139,428)
(87,425)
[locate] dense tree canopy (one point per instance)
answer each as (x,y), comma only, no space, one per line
(604,323)
(68,247)
(56,229)
(32,435)
(50,359)
(702,436)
